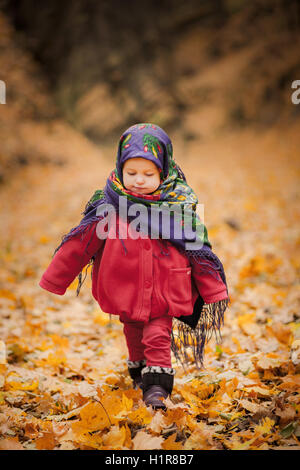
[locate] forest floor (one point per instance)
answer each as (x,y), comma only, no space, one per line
(64,381)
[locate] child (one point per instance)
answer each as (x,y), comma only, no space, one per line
(147,279)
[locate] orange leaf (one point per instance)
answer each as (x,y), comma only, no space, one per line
(31,430)
(290,383)
(140,416)
(177,416)
(281,332)
(115,438)
(93,418)
(5,293)
(46,442)
(170,443)
(11,443)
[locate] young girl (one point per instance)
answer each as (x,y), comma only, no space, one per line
(158,286)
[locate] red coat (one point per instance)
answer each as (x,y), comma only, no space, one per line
(126,281)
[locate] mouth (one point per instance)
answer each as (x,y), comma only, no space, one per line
(138,189)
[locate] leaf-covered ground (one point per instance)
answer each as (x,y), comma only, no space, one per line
(64,383)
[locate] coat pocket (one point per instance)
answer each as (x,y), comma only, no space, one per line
(180,286)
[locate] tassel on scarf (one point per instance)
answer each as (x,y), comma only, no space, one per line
(79,277)
(184,337)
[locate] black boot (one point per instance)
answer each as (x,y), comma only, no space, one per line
(135,370)
(157,385)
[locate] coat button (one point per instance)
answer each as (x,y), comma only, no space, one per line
(147,247)
(147,284)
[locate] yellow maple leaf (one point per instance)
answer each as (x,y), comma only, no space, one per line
(140,416)
(127,402)
(93,418)
(115,438)
(114,405)
(265,426)
(29,386)
(193,401)
(59,340)
(15,382)
(56,359)
(259,391)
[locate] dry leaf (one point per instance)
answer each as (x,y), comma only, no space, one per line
(143,441)
(170,444)
(287,415)
(93,418)
(157,422)
(115,438)
(201,438)
(11,443)
(46,442)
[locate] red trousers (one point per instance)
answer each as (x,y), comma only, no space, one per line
(150,340)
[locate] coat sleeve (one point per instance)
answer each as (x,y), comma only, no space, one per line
(69,260)
(210,288)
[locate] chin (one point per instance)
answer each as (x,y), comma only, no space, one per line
(140,191)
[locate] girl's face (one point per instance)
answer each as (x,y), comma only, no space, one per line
(140,175)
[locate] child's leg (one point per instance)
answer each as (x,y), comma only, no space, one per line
(158,375)
(133,332)
(157,341)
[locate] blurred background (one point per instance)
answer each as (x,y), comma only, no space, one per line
(216,75)
(197,67)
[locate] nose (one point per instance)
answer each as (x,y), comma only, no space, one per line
(139,180)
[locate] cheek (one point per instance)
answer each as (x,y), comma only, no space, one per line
(156,181)
(126,180)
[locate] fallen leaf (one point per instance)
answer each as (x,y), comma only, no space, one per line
(115,438)
(140,416)
(259,391)
(288,430)
(171,444)
(287,415)
(11,443)
(265,426)
(157,422)
(269,362)
(144,441)
(46,442)
(93,418)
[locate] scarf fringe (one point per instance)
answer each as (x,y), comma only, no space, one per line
(184,338)
(208,262)
(79,277)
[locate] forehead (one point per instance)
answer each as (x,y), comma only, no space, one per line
(138,163)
